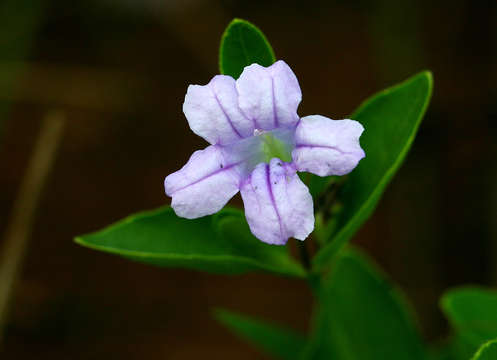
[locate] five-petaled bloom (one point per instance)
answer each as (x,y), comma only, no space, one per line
(258,143)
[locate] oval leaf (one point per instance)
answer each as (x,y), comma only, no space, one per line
(220,243)
(243,44)
(362,316)
(273,339)
(472,312)
(391,119)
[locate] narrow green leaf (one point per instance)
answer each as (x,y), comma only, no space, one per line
(361,316)
(391,119)
(487,351)
(243,44)
(221,243)
(273,339)
(472,312)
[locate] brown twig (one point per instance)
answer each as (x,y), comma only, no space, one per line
(22,216)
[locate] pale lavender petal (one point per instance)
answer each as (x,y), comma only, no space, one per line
(212,111)
(269,96)
(277,203)
(327,147)
(204,185)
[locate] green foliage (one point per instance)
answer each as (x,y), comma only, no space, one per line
(487,351)
(361,316)
(243,44)
(472,312)
(220,243)
(441,352)
(275,340)
(391,119)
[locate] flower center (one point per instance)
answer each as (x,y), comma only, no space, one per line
(272,147)
(263,146)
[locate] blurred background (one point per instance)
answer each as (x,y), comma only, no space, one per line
(117,72)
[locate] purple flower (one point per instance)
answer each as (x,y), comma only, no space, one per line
(258,143)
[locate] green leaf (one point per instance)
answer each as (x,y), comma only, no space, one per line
(391,119)
(221,243)
(243,44)
(452,348)
(487,351)
(362,316)
(441,351)
(461,349)
(472,312)
(273,339)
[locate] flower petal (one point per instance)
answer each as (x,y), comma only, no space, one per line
(269,96)
(212,111)
(277,203)
(327,147)
(204,185)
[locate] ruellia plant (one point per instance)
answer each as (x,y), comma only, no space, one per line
(309,178)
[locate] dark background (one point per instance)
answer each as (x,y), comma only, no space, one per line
(119,70)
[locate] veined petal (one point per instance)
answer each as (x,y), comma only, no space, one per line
(327,147)
(204,185)
(277,203)
(212,111)
(269,96)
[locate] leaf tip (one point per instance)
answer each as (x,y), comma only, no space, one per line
(242,24)
(83,241)
(238,20)
(223,316)
(428,76)
(218,313)
(79,240)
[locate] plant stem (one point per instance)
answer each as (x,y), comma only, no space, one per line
(304,254)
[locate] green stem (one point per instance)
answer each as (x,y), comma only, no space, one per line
(304,254)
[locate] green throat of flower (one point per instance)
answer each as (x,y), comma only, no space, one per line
(272,147)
